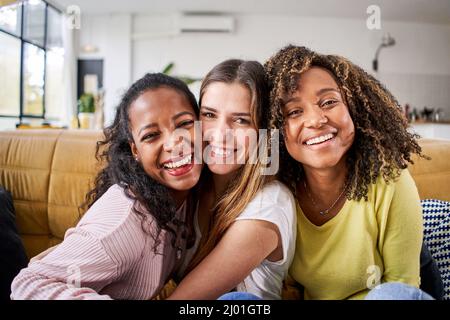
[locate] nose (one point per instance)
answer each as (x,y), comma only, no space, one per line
(221,132)
(174,143)
(315,118)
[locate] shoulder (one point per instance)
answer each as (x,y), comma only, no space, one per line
(398,199)
(113,197)
(276,193)
(402,186)
(273,199)
(112,223)
(405,181)
(405,193)
(112,213)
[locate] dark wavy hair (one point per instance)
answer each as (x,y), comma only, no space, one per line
(150,197)
(382,145)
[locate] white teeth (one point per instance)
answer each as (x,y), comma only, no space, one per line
(179,163)
(221,152)
(319,139)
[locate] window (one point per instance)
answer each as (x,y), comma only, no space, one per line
(54,65)
(34,22)
(31,61)
(11,19)
(9,75)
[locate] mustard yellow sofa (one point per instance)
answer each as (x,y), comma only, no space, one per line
(49,172)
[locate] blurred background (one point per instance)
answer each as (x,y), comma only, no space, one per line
(64,59)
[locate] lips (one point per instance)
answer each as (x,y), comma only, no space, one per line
(221,152)
(178,166)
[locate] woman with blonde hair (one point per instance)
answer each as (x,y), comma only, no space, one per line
(246,217)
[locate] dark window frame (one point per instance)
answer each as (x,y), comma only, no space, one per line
(23,41)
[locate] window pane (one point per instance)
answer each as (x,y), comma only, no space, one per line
(10,18)
(54,29)
(9,75)
(54,83)
(33,80)
(34,21)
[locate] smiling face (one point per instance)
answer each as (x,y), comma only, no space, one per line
(162,126)
(227,126)
(318,128)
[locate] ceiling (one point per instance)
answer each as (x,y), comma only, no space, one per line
(425,11)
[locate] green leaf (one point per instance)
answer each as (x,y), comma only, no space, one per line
(168,68)
(188,80)
(86,103)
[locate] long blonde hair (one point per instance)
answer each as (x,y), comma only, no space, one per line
(249,178)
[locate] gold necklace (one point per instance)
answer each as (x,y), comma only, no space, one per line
(326,211)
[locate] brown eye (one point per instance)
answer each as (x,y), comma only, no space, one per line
(242,121)
(207,114)
(329,103)
(185,123)
(150,137)
(294,113)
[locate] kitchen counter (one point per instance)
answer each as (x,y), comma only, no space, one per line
(431,122)
(440,130)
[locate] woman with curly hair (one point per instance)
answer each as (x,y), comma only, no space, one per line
(344,152)
(138,229)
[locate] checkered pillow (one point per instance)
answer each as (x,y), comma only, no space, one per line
(436,214)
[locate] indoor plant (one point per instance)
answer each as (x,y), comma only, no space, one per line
(86,109)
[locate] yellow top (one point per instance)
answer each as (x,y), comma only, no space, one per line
(364,244)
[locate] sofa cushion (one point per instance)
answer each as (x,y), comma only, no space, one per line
(436,214)
(78,177)
(432,177)
(48,173)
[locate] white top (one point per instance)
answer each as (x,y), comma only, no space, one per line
(274,203)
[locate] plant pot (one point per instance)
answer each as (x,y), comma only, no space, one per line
(86,120)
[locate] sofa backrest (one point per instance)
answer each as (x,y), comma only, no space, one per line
(432,177)
(50,171)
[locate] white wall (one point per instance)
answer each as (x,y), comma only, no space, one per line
(416,69)
(111,34)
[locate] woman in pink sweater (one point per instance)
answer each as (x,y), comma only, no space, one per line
(138,231)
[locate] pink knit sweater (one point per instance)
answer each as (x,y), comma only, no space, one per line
(106,256)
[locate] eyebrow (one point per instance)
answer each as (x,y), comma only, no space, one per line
(324,90)
(208,108)
(238,114)
(318,93)
(175,117)
(292,99)
(150,125)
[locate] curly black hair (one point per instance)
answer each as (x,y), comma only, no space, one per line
(382,145)
(150,197)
